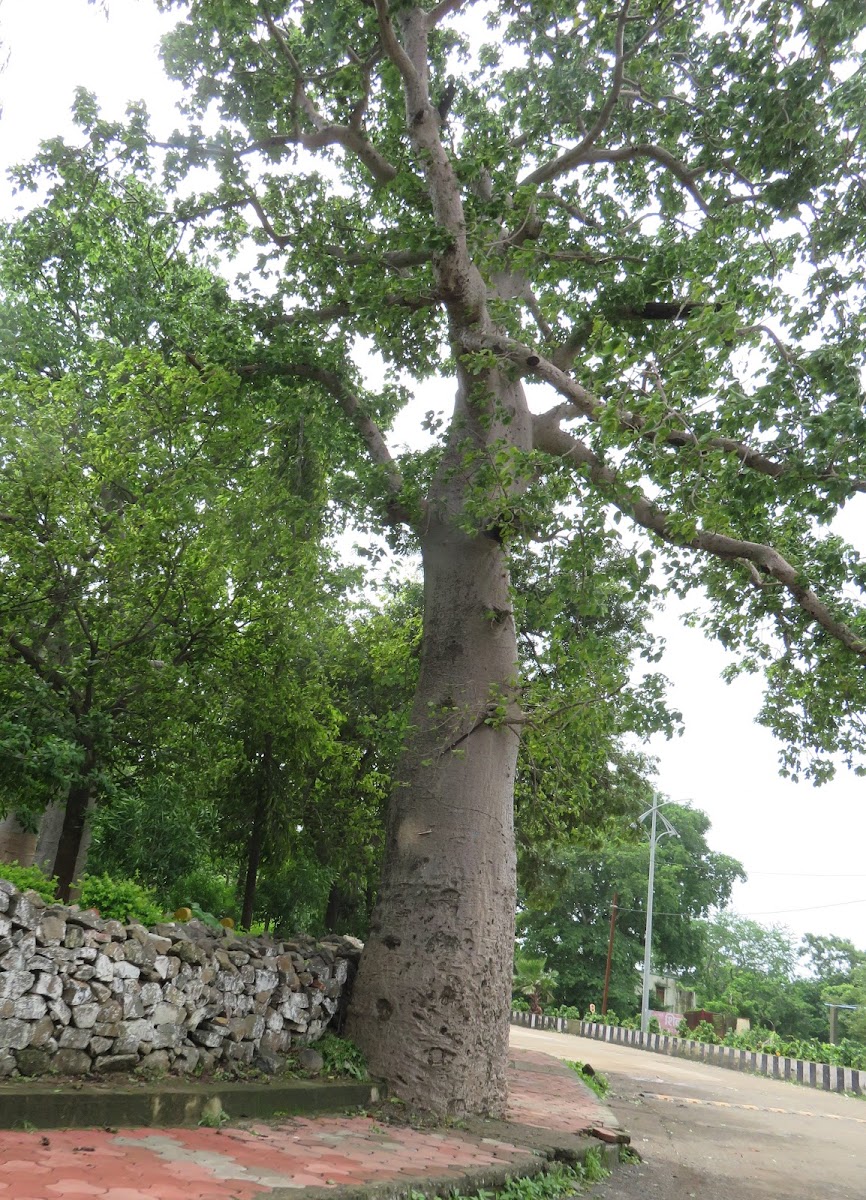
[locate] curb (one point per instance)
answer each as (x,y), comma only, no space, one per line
(71,1107)
(543,1152)
(825,1077)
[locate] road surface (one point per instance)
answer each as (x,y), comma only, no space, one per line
(712,1134)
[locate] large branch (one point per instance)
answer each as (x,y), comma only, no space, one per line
(630,500)
(579,156)
(345,309)
(392,46)
(353,407)
(351,137)
(603,120)
(582,403)
(443,9)
(55,680)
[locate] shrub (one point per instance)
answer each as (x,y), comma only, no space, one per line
(705,1033)
(119,899)
(653,1025)
(205,889)
(518,1004)
(341,1057)
(29,879)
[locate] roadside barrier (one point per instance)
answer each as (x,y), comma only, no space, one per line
(826,1077)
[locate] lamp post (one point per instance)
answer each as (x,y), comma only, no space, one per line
(655,837)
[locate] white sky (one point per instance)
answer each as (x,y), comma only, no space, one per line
(802,847)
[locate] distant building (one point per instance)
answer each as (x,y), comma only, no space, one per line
(667,995)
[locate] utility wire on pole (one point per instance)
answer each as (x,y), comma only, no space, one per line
(647,948)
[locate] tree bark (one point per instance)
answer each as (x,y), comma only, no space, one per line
(430,1004)
(72,833)
(257,835)
(16,843)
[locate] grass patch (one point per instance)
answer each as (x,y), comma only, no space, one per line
(555,1184)
(593,1079)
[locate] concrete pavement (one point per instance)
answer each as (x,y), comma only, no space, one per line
(550,1112)
(720,1135)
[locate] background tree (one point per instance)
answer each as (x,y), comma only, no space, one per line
(533,980)
(750,970)
(565,914)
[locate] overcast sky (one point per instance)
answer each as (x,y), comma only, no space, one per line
(803,848)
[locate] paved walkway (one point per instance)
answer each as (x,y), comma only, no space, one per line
(258,1159)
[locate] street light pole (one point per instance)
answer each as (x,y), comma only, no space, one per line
(648,938)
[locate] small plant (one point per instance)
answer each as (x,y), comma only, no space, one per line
(213,1115)
(653,1025)
(597,1082)
(342,1057)
(119,899)
(628,1155)
(29,879)
(593,1167)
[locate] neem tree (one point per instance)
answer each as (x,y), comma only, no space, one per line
(654,211)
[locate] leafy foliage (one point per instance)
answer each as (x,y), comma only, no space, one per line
(533,980)
(29,879)
(119,899)
(341,1057)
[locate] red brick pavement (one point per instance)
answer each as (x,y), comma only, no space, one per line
(242,1163)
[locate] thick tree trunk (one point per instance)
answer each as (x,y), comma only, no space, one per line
(254,858)
(71,836)
(16,843)
(430,1004)
(258,832)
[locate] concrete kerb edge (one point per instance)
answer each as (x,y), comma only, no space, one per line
(544,1152)
(162,1105)
(822,1076)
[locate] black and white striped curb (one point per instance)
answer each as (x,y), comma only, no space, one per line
(825,1076)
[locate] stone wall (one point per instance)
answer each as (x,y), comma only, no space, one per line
(80,994)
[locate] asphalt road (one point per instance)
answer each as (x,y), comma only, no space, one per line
(712,1134)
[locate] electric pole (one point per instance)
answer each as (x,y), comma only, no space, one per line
(647,947)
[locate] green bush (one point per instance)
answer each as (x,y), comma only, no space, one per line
(705,1033)
(653,1025)
(29,879)
(341,1057)
(519,1004)
(204,889)
(568,1011)
(119,899)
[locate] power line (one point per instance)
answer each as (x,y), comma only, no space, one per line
(772,912)
(812,908)
(812,874)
